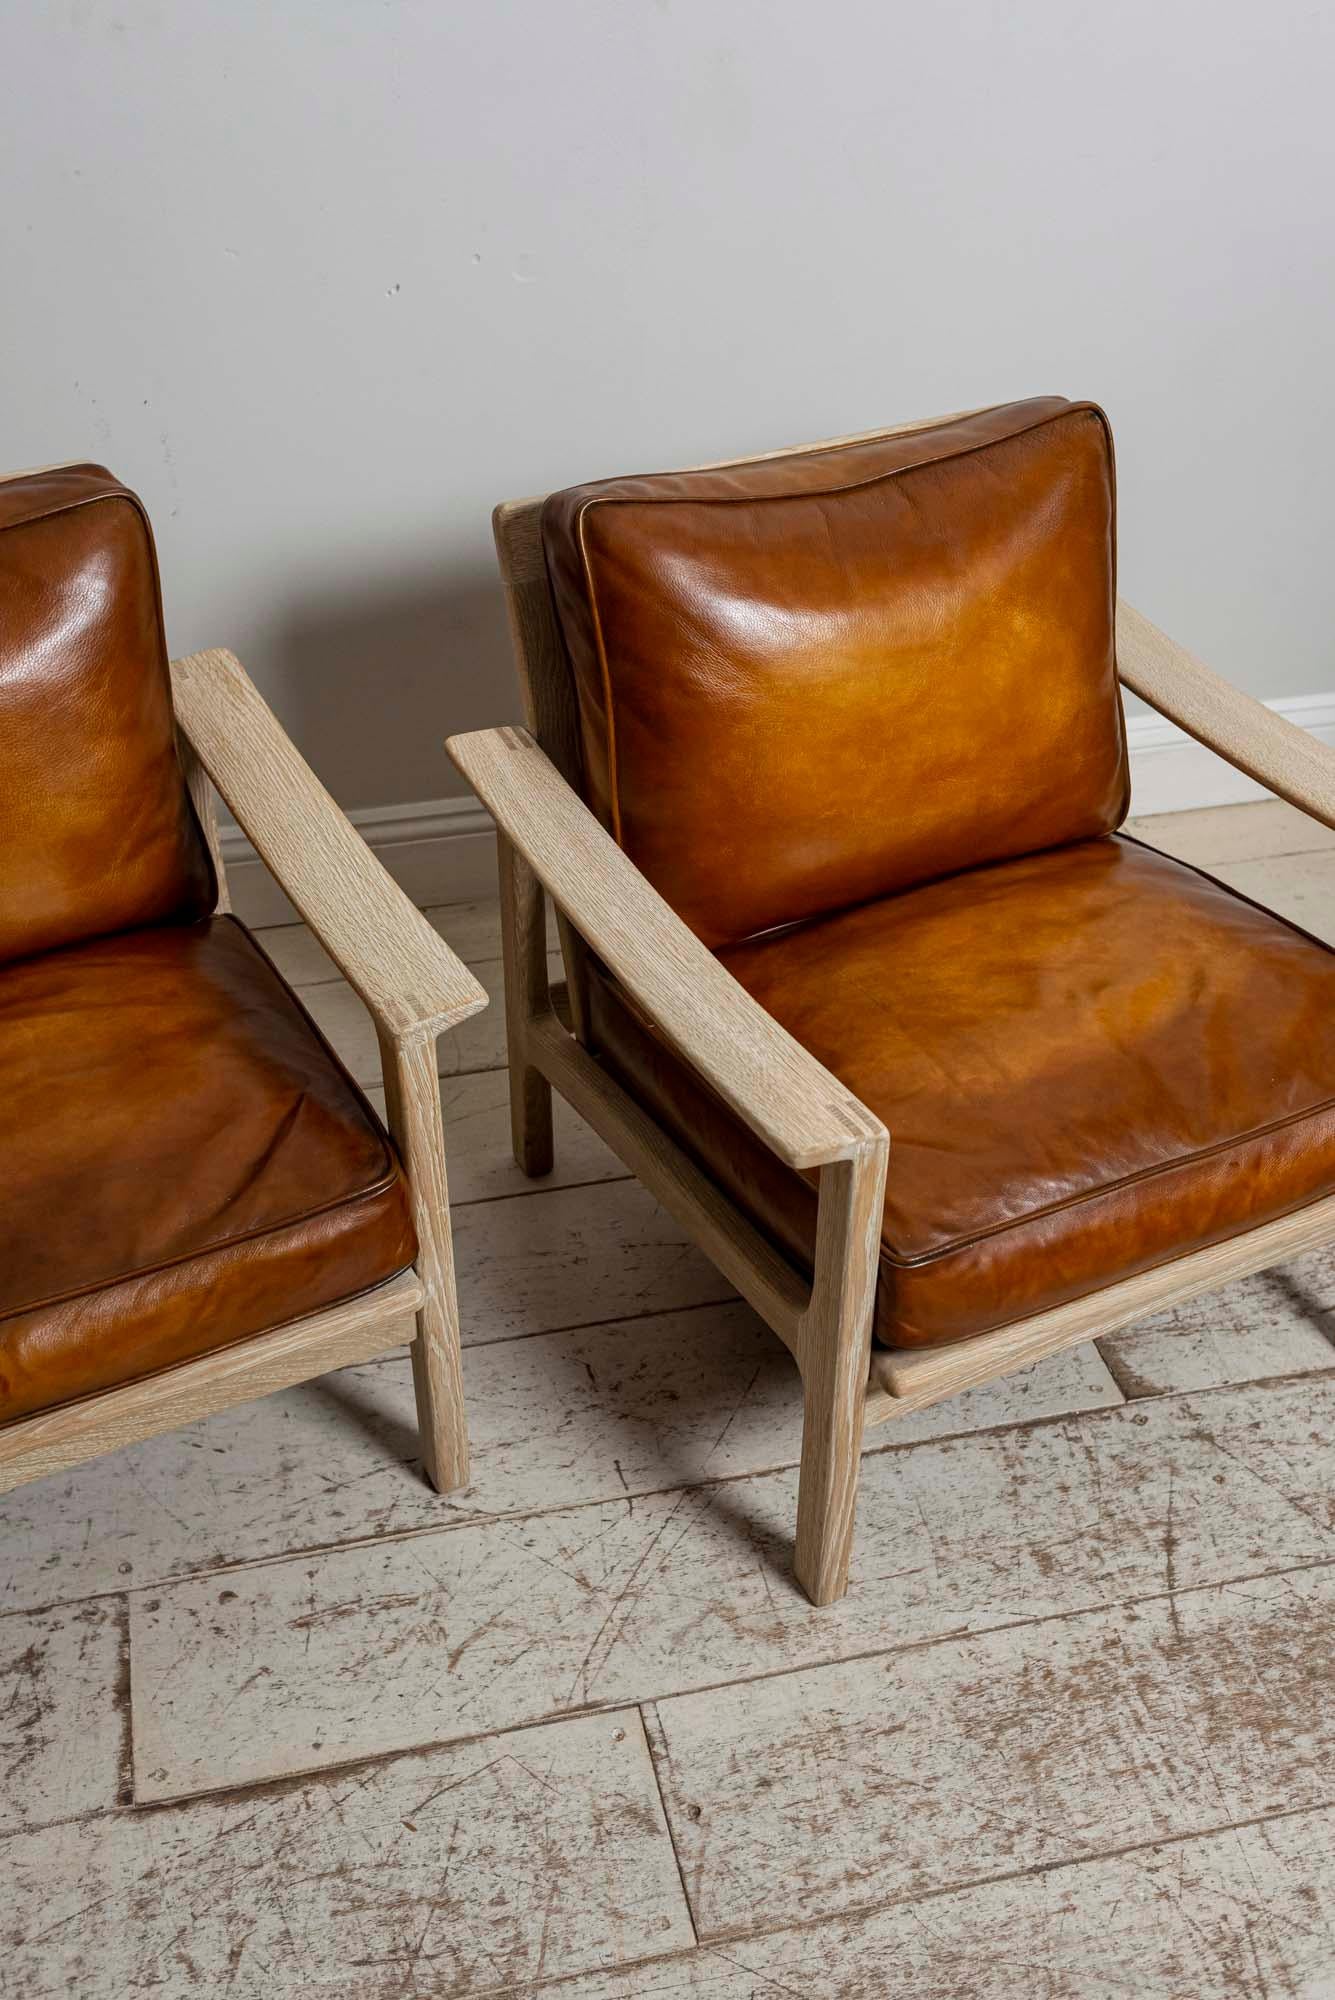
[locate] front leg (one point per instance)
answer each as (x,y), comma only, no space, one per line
(835,1356)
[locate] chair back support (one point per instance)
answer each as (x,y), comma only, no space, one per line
(97,832)
(792,684)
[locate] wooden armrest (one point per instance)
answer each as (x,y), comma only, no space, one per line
(1251,736)
(404,971)
(788,1098)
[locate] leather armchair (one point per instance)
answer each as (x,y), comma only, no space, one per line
(824,772)
(199,1205)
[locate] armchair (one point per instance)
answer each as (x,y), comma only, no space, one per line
(824,772)
(200,1205)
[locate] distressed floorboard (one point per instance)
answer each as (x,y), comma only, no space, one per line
(62,1722)
(454,1873)
(530,1264)
(1247,1914)
(809,1794)
(1276,1323)
(241,1677)
(633,1407)
(975,1707)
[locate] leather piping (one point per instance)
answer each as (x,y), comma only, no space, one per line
(853,486)
(187,1360)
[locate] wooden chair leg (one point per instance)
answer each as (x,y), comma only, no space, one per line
(412,1100)
(524,944)
(836,1355)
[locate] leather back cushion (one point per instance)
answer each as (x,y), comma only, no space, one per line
(812,680)
(97,833)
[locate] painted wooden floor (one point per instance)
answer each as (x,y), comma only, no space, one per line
(277,1720)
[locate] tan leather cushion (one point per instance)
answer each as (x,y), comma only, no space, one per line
(184,1161)
(96,830)
(1089,1061)
(814,680)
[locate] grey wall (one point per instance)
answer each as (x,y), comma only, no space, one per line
(325,279)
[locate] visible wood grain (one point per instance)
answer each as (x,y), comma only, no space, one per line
(807,1795)
(476,1044)
(63,1735)
(471,930)
(456,1872)
(1243,1915)
(413,985)
(476,1111)
(1286,759)
(801,1113)
(902,1381)
(412,1097)
(404,971)
(54,1440)
(481,1626)
(634,1407)
(833,1350)
(767,1077)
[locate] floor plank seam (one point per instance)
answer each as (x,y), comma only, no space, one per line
(370,1760)
(623,1704)
(1095,1857)
(123,1696)
(527,1192)
(590,1325)
(713,1945)
(656,1743)
(462,1519)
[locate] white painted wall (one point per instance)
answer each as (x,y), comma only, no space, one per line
(324,279)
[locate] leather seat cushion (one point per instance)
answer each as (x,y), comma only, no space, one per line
(97,833)
(1089,1061)
(928,615)
(184,1162)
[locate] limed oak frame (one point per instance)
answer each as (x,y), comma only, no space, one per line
(414,988)
(551,844)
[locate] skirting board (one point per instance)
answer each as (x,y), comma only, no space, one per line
(443,851)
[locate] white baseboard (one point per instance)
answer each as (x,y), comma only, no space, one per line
(442,850)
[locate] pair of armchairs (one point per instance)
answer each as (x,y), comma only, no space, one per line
(824,773)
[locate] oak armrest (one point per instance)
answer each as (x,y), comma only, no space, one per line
(783,1093)
(1251,736)
(404,971)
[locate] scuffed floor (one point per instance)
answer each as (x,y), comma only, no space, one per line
(277,1720)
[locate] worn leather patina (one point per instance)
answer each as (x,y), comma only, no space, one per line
(96,830)
(183,1160)
(854,712)
(817,679)
(1089,1061)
